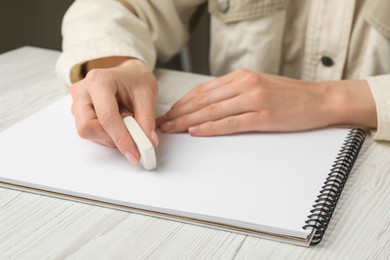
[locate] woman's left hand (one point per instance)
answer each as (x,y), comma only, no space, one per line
(245,101)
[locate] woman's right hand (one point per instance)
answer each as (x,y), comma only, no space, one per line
(113,88)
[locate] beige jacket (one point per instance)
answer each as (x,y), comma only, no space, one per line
(303,39)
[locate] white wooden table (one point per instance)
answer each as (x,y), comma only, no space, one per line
(39,227)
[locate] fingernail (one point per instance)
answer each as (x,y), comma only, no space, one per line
(130,157)
(193,129)
(154,138)
(167,125)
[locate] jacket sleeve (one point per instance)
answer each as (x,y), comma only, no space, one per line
(141,29)
(380,89)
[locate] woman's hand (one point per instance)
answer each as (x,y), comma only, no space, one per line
(123,86)
(244,101)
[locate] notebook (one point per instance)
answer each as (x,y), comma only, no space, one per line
(281,186)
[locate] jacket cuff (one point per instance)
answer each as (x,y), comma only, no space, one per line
(380,89)
(69,64)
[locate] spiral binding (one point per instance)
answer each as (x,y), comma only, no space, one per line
(329,195)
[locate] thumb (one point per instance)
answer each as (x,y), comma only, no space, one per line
(143,106)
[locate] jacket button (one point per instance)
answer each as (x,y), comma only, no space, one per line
(327,61)
(223,5)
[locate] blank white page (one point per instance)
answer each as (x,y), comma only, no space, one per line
(263,181)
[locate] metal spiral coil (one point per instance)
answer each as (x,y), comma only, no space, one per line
(333,186)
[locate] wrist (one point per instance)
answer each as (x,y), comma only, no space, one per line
(349,102)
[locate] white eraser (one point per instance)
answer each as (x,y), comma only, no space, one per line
(145,147)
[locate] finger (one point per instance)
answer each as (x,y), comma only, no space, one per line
(211,85)
(228,125)
(107,112)
(204,88)
(203,100)
(144,103)
(110,143)
(213,112)
(86,121)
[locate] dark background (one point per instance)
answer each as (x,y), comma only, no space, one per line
(38,23)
